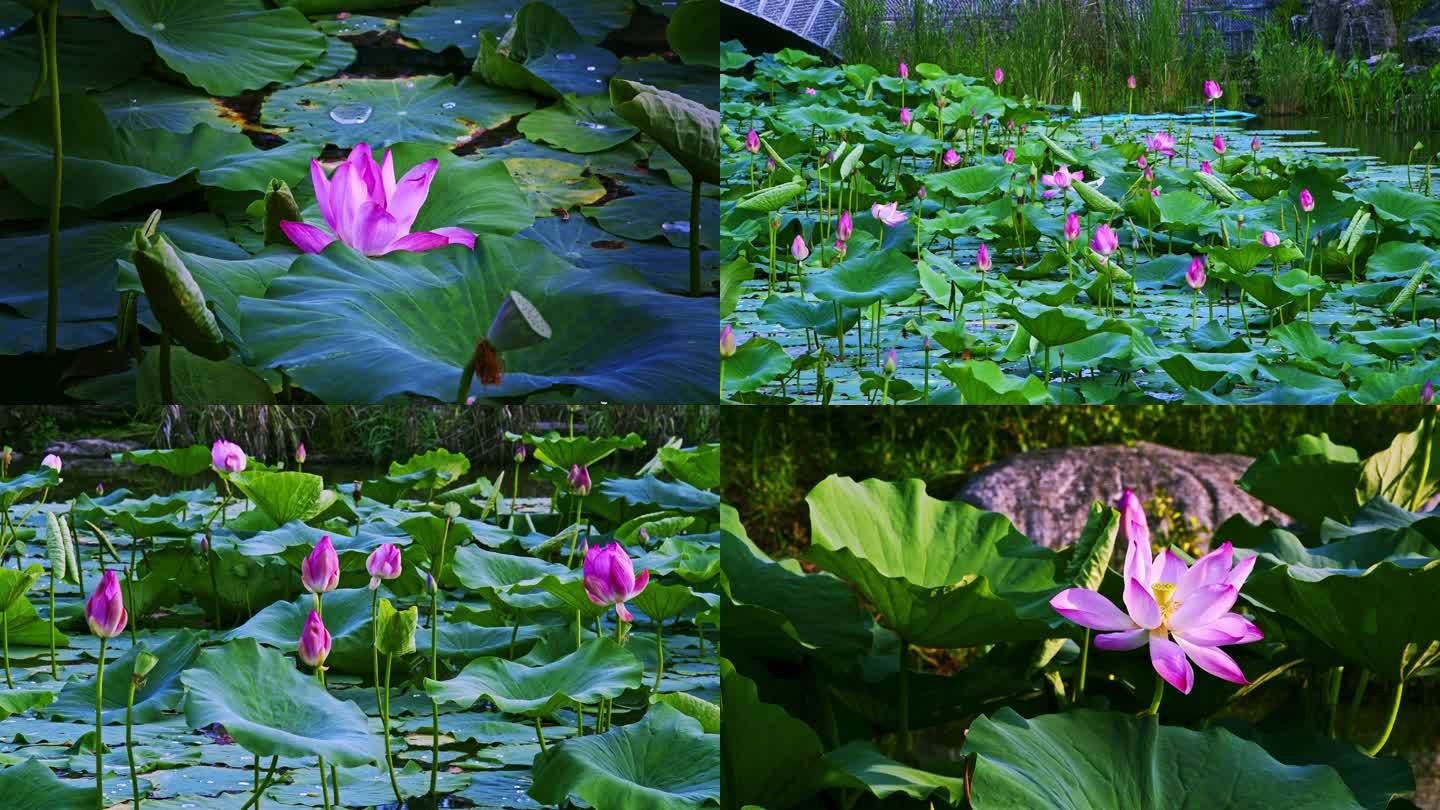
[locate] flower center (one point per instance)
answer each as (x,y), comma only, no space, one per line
(1165,597)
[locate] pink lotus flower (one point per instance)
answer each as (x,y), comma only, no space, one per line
(610,578)
(798,249)
(52,461)
(809,91)
(921,193)
(227,456)
(580,479)
(365,208)
(1161,143)
(1105,241)
(1130,82)
(1205,167)
(840,248)
(889,214)
(1269,239)
(999,77)
(105,609)
(1009,156)
(845,226)
(1195,273)
(904,71)
(727,349)
(1212,90)
(1255,144)
(752,141)
(1059,181)
(1155,192)
(320,572)
(1150,174)
(950,158)
(383,563)
(1163,600)
(982,258)
(1427,392)
(1219,144)
(1307,200)
(314,645)
(300,453)
(905,116)
(1072,227)
(891,363)
(1142,162)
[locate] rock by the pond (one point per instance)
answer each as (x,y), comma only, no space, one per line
(1354,28)
(1423,47)
(1047,493)
(90,448)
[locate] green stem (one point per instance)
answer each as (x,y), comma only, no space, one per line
(1390,722)
(167,389)
(374,643)
(99,742)
(1355,701)
(258,786)
(1155,698)
(539,735)
(435,662)
(385,729)
(659,653)
(575,541)
(52,321)
(903,714)
(214,582)
(54,667)
(5,635)
(1333,701)
(261,787)
(130,744)
(1084,665)
(515,490)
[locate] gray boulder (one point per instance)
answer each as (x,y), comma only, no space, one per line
(1423,47)
(1047,493)
(1354,28)
(90,448)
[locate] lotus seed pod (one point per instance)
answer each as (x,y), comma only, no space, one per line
(280,207)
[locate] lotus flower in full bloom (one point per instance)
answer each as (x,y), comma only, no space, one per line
(950,158)
(227,456)
(1184,614)
(52,461)
(1059,181)
(383,563)
(1161,143)
(610,578)
(314,645)
(105,609)
(367,209)
(320,572)
(889,214)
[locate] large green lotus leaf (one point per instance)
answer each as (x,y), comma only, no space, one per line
(687,129)
(691,32)
(601,668)
(348,328)
(478,195)
(477,568)
(32,786)
(102,163)
(963,577)
(859,765)
(879,275)
(697,466)
(93,56)
(661,602)
(1394,342)
(769,757)
(587,246)
(19,701)
(439,468)
(1375,781)
(283,496)
(347,617)
(542,53)
(565,593)
(664,762)
(1369,598)
(381,112)
(1310,479)
(148,104)
(1399,472)
(468,641)
(160,692)
(181,461)
(1086,759)
(971,182)
(564,452)
(224,46)
(1056,326)
(12,490)
(26,628)
(1413,212)
(552,184)
(768,599)
(651,491)
(453,23)
(658,212)
(15,584)
(339,55)
(272,709)
(198,381)
(756,363)
(222,280)
(982,382)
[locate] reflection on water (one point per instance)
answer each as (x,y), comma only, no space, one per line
(1368,138)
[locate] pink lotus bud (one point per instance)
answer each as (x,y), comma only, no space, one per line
(1150,174)
(727,341)
(383,563)
(1072,227)
(1130,82)
(100,489)
(105,609)
(1195,274)
(999,76)
(809,91)
(580,479)
(798,249)
(1427,392)
(845,227)
(950,158)
(1142,162)
(1307,200)
(1009,156)
(921,194)
(840,247)
(1105,241)
(205,543)
(904,71)
(227,456)
(1269,239)
(982,258)
(521,451)
(905,116)
(1155,191)
(314,645)
(890,363)
(1212,90)
(1255,144)
(644,535)
(610,578)
(320,572)
(752,141)
(770,164)
(52,461)
(300,453)
(1219,144)
(1205,167)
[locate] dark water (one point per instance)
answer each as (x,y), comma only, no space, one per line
(1379,140)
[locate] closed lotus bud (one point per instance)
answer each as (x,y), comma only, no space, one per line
(52,461)
(279,207)
(891,363)
(904,71)
(727,342)
(100,489)
(982,258)
(752,142)
(383,563)
(580,479)
(1130,82)
(227,457)
(1009,155)
(1254,144)
(999,77)
(320,572)
(921,194)
(205,543)
(799,250)
(1219,144)
(1072,227)
(1195,274)
(452,510)
(1270,239)
(300,453)
(1427,392)
(845,227)
(520,452)
(1307,200)
(644,535)
(314,646)
(105,609)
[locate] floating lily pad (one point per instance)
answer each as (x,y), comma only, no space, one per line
(583,125)
(454,23)
(599,669)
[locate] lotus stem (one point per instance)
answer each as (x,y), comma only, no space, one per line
(1084,659)
(52,322)
(374,642)
(1389,722)
(903,715)
(54,667)
(575,541)
(256,798)
(659,652)
(5,635)
(320,758)
(385,729)
(167,388)
(695,236)
(1333,699)
(130,743)
(214,582)
(515,491)
(260,788)
(1154,709)
(435,659)
(539,735)
(99,741)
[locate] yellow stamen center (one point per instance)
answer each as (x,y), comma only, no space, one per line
(1165,597)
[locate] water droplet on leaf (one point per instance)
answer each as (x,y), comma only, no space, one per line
(565,57)
(449,105)
(591,125)
(351,112)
